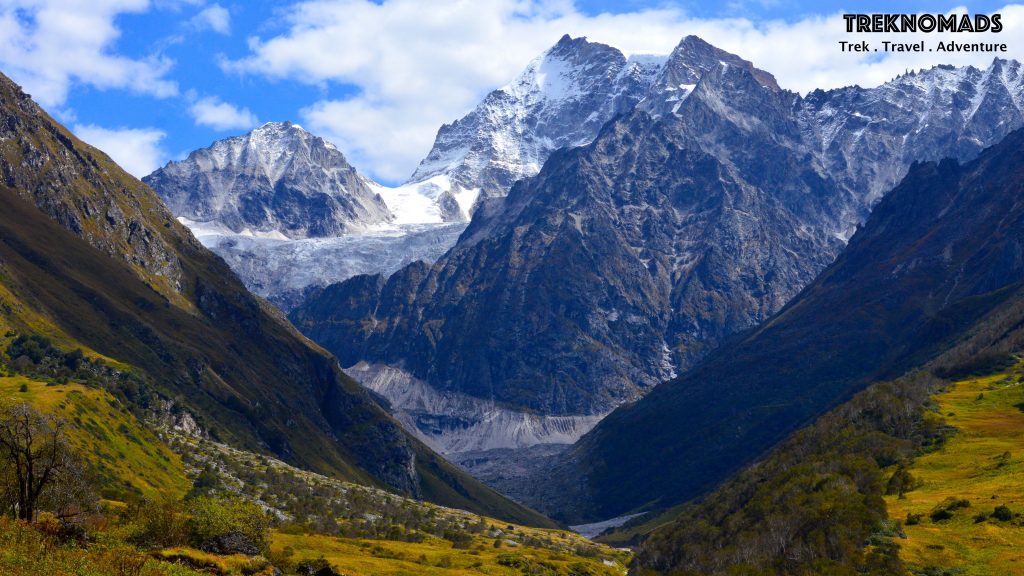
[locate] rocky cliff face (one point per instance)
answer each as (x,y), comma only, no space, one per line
(561,100)
(697,215)
(44,164)
(278,181)
(941,258)
(867,138)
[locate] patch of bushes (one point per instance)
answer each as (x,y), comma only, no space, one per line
(213,517)
(27,551)
(36,356)
(1002,513)
(901,482)
(528,565)
(979,364)
(945,509)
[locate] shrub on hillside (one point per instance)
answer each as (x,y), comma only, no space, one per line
(946,508)
(1002,513)
(161,523)
(213,517)
(901,482)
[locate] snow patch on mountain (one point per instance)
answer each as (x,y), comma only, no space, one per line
(427,202)
(870,136)
(284,271)
(289,214)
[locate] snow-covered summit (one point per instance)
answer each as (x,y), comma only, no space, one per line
(278,180)
(869,136)
(561,99)
(690,61)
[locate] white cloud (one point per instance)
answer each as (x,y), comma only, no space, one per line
(415,68)
(137,150)
(47,45)
(212,112)
(214,17)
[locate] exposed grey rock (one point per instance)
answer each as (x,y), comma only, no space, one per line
(230,543)
(277,180)
(453,423)
(699,214)
(82,190)
(562,99)
(268,202)
(938,267)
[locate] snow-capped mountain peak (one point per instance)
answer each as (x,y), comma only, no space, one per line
(690,61)
(561,99)
(922,115)
(278,180)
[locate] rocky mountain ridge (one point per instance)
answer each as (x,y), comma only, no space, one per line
(697,215)
(561,100)
(289,214)
(938,264)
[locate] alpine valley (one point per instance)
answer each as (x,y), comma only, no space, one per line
(717,326)
(695,215)
(170,375)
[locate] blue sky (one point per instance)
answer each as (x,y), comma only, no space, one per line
(150,80)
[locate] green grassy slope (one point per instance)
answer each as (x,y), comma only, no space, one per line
(90,257)
(435,556)
(122,452)
(983,463)
(827,499)
(130,461)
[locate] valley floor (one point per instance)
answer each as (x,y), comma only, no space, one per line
(438,556)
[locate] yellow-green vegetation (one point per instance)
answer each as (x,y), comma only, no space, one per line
(216,564)
(976,479)
(92,260)
(355,529)
(29,551)
(438,556)
(125,455)
(212,517)
(364,530)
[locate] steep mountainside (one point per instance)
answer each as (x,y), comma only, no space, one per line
(940,252)
(867,138)
(697,215)
(277,180)
(914,476)
(561,100)
(90,257)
